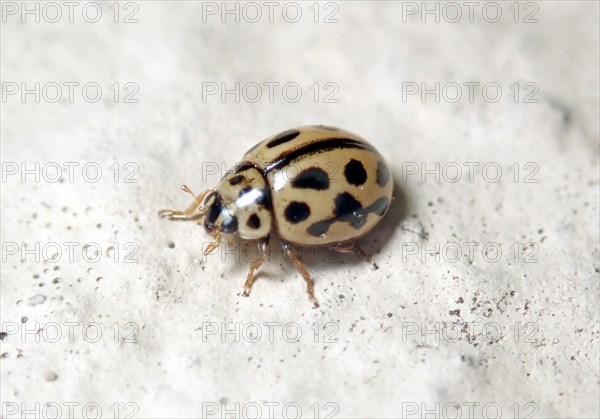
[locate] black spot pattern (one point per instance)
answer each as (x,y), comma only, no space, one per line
(379,206)
(236,179)
(312,178)
(323,145)
(355,173)
(253,222)
(282,138)
(230,225)
(319,228)
(297,212)
(346,205)
(348,209)
(383,175)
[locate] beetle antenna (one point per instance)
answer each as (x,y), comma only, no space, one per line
(188,213)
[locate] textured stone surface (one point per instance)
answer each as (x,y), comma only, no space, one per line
(418,331)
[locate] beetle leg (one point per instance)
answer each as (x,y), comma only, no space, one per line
(188,213)
(263,248)
(353,247)
(290,251)
(211,247)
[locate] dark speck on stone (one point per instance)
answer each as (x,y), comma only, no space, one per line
(455,312)
(171,245)
(50,376)
(389,314)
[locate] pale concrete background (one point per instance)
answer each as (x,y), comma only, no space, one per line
(419,335)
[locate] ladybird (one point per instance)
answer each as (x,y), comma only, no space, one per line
(313,185)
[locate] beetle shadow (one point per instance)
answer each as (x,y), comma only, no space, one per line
(399,210)
(372,244)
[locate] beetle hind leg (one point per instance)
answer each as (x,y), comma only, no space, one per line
(353,247)
(263,248)
(290,251)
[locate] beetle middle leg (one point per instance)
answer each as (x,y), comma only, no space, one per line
(263,248)
(353,247)
(290,251)
(188,213)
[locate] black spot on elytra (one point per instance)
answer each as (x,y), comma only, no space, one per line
(348,209)
(345,205)
(284,137)
(297,212)
(379,206)
(236,179)
(230,225)
(253,222)
(319,228)
(312,148)
(312,178)
(383,175)
(355,173)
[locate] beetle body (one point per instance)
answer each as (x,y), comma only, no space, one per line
(314,185)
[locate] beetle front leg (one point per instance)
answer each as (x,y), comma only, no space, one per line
(263,248)
(211,247)
(290,251)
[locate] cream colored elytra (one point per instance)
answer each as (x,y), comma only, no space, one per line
(316,185)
